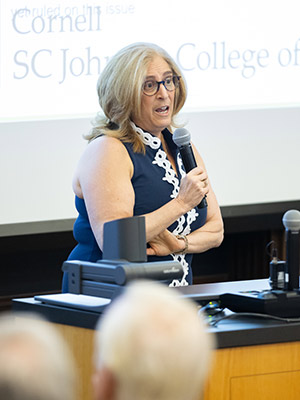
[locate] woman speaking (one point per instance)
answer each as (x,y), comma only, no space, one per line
(131,165)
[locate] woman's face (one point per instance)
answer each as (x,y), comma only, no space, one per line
(156,110)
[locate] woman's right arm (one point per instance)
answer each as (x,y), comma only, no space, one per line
(103,180)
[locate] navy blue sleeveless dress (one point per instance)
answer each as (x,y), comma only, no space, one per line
(155,183)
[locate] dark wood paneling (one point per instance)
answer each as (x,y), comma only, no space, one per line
(31,263)
(241,256)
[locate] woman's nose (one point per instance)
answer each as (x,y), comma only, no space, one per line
(162,91)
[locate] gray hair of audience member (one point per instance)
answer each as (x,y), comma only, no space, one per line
(35,362)
(155,345)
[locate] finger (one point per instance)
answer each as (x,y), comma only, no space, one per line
(150,252)
(196,171)
(204,189)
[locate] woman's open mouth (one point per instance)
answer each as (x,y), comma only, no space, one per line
(163,110)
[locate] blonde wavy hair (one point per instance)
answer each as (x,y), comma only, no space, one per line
(119,91)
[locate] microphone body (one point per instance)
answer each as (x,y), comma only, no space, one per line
(182,139)
(188,157)
(291,221)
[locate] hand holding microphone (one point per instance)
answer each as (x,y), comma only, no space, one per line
(182,139)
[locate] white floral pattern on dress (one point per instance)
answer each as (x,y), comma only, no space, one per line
(146,137)
(162,161)
(180,166)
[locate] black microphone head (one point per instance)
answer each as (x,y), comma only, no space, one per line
(181,137)
(291,220)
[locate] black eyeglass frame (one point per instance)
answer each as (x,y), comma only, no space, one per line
(175,78)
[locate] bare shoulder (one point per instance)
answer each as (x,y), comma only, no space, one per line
(104,151)
(103,156)
(105,146)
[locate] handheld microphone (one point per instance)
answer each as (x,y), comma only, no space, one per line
(291,222)
(182,139)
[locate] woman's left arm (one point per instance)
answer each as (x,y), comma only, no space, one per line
(208,236)
(212,232)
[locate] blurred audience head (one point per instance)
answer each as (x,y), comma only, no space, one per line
(35,362)
(151,344)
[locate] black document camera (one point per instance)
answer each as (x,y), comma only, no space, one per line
(124,260)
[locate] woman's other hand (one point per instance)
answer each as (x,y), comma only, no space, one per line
(164,244)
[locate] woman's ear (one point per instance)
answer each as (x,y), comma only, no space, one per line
(104,384)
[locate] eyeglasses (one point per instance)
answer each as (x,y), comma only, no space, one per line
(151,87)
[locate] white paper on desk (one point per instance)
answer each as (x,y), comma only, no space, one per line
(81,301)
